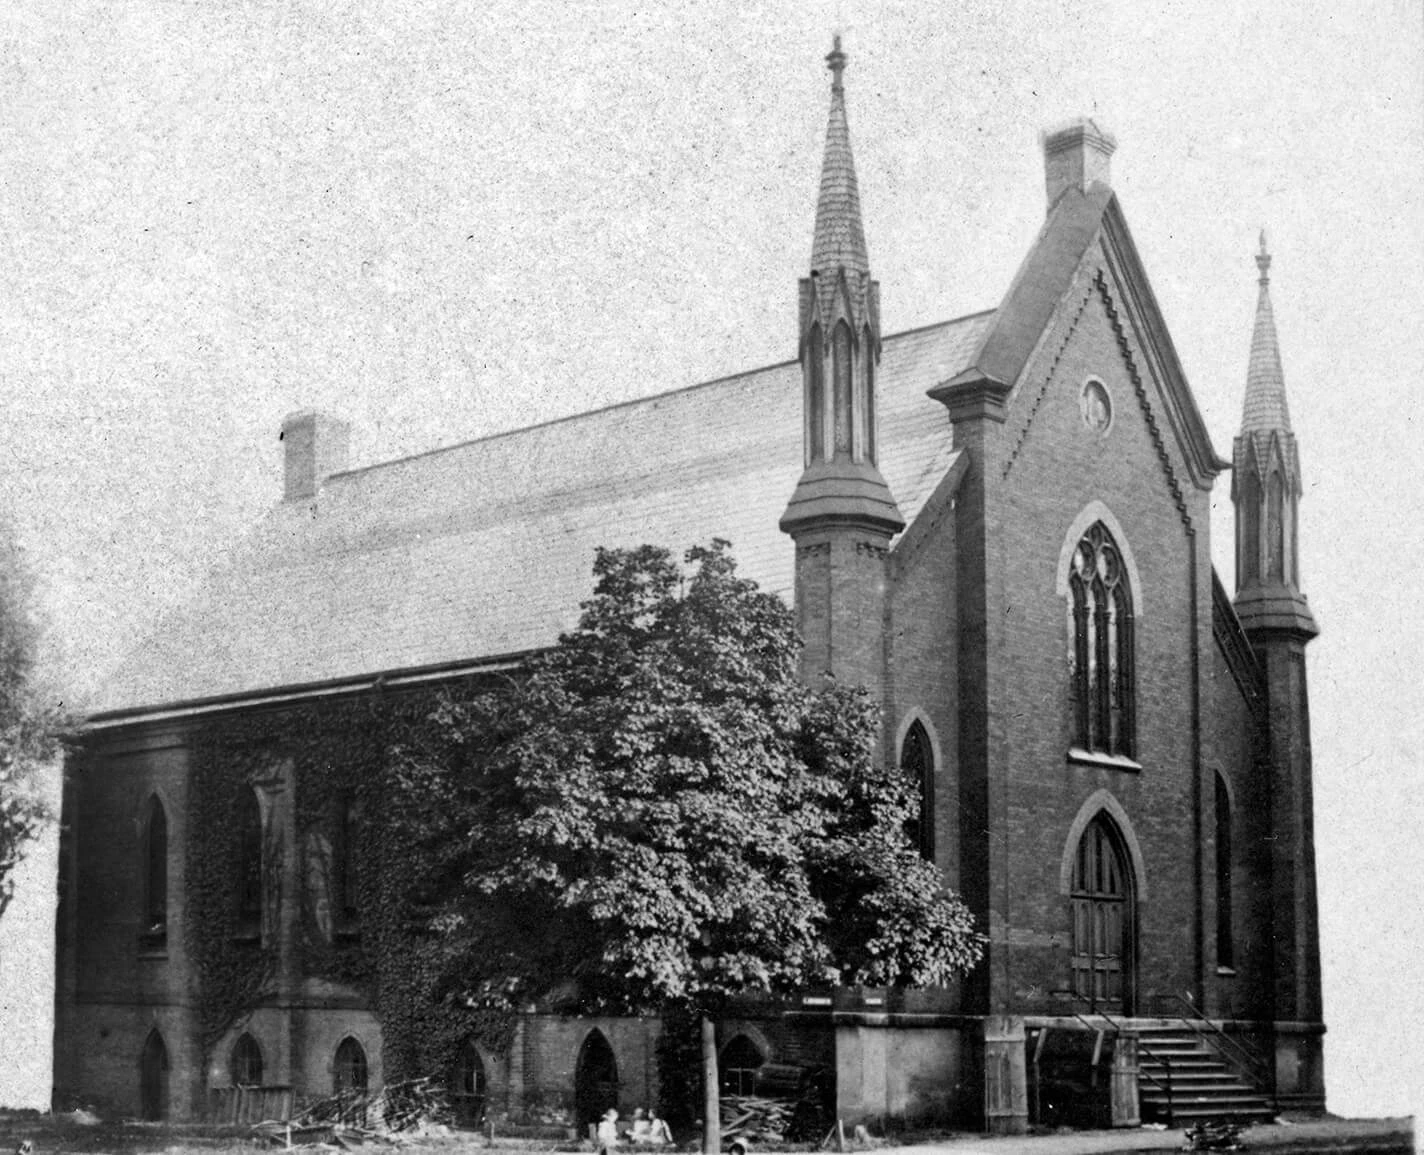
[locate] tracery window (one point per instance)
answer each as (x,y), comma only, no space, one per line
(917,763)
(246,1062)
(155,876)
(1102,657)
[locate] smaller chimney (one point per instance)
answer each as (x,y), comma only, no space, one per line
(315,446)
(1077,155)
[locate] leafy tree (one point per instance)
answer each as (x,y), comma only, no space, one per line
(661,815)
(29,724)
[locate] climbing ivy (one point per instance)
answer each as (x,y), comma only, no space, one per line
(392,953)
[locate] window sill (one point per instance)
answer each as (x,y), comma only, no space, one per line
(1226,972)
(1080,757)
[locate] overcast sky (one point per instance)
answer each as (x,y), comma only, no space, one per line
(441,220)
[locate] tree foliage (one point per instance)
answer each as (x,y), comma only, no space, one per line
(660,813)
(30,720)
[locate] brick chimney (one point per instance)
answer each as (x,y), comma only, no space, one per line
(315,446)
(1077,155)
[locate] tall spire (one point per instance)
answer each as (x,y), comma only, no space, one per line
(1265,409)
(1266,488)
(839,240)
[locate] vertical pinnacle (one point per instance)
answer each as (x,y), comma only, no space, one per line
(1263,261)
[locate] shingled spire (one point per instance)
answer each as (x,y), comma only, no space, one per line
(1265,483)
(842,515)
(839,350)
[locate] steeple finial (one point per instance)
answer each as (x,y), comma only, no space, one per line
(836,62)
(1263,261)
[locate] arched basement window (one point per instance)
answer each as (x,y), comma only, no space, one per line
(1103,679)
(155,876)
(816,406)
(246,1062)
(842,366)
(248,875)
(1225,948)
(739,1062)
(917,762)
(349,1069)
(153,1078)
(468,1087)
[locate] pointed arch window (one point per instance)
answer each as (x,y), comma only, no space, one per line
(1275,527)
(349,1069)
(1225,948)
(842,365)
(917,763)
(248,873)
(345,863)
(816,403)
(1103,678)
(246,1062)
(155,877)
(1250,560)
(153,1078)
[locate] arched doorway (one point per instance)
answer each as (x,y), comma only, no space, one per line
(1104,917)
(738,1064)
(595,1080)
(153,1078)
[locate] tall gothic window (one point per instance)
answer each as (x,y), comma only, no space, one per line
(1103,681)
(841,367)
(816,411)
(155,875)
(248,877)
(1225,951)
(917,762)
(1275,527)
(1251,528)
(345,877)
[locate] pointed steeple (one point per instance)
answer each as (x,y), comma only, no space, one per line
(839,240)
(1266,487)
(839,344)
(1265,407)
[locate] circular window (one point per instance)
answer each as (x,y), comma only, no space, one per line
(1095,405)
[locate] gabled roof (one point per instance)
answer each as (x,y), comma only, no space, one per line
(1075,221)
(485,549)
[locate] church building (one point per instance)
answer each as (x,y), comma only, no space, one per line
(998,524)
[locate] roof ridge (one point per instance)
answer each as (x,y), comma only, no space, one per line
(628,403)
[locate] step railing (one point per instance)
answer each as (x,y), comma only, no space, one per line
(1162,1060)
(1254,1066)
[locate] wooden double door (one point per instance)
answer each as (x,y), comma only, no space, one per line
(1104,918)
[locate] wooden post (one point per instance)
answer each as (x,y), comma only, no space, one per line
(711,1104)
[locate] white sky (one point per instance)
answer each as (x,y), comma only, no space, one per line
(442,220)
